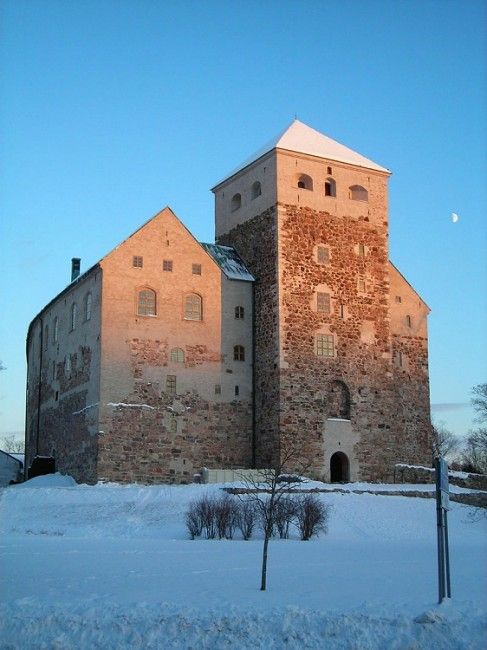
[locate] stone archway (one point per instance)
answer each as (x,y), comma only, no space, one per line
(339,468)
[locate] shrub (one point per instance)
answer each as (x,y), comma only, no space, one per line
(284,513)
(226,513)
(246,516)
(312,516)
(193,520)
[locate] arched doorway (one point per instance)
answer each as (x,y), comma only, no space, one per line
(339,468)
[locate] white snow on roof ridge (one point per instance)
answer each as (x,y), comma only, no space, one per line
(301,138)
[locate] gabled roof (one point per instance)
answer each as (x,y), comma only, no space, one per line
(230,263)
(300,138)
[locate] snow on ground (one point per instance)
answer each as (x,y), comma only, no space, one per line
(111,566)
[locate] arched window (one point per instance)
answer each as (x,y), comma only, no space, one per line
(74,315)
(146,302)
(193,308)
(330,187)
(338,402)
(358,193)
(256,190)
(46,336)
(236,202)
(239,353)
(88,303)
(304,182)
(177,355)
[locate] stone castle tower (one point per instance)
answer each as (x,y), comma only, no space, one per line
(340,337)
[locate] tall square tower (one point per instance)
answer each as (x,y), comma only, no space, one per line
(340,356)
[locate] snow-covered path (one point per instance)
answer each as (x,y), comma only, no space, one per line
(111,567)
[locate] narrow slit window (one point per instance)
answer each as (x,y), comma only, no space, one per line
(171,384)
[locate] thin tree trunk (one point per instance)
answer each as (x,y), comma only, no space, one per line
(264,561)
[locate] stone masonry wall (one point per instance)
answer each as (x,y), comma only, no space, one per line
(256,243)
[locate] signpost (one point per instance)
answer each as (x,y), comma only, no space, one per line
(442,507)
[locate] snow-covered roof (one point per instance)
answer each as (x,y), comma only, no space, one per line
(301,138)
(230,263)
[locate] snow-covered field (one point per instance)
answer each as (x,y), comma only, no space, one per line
(112,567)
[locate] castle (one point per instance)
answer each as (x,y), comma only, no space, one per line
(169,355)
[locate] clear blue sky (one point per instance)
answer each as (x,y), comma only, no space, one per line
(111,110)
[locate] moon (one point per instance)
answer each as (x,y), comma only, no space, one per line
(454,217)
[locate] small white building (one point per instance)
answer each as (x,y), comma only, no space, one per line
(11,468)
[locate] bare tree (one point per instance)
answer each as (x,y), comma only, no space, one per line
(10,443)
(268,489)
(479,401)
(475,452)
(445,443)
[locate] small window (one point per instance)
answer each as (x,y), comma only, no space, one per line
(325,346)
(236,202)
(361,250)
(171,384)
(196,269)
(46,336)
(305,182)
(74,316)
(88,303)
(177,355)
(397,359)
(55,330)
(330,187)
(323,302)
(361,285)
(173,425)
(67,366)
(358,193)
(218,389)
(167,265)
(239,353)
(53,370)
(256,190)
(237,391)
(239,312)
(193,307)
(341,311)
(146,303)
(137,261)
(329,170)
(409,321)
(322,255)
(398,299)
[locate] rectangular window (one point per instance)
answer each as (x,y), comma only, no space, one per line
(196,269)
(398,299)
(409,321)
(167,265)
(239,313)
(323,302)
(218,389)
(397,358)
(171,384)
(322,255)
(361,250)
(325,346)
(237,391)
(53,370)
(361,285)
(137,261)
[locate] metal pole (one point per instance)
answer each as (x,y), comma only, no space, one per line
(447,558)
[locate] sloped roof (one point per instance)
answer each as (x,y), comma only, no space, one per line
(301,138)
(230,263)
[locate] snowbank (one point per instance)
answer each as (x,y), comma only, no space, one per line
(111,566)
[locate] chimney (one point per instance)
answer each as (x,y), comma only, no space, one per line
(75,267)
